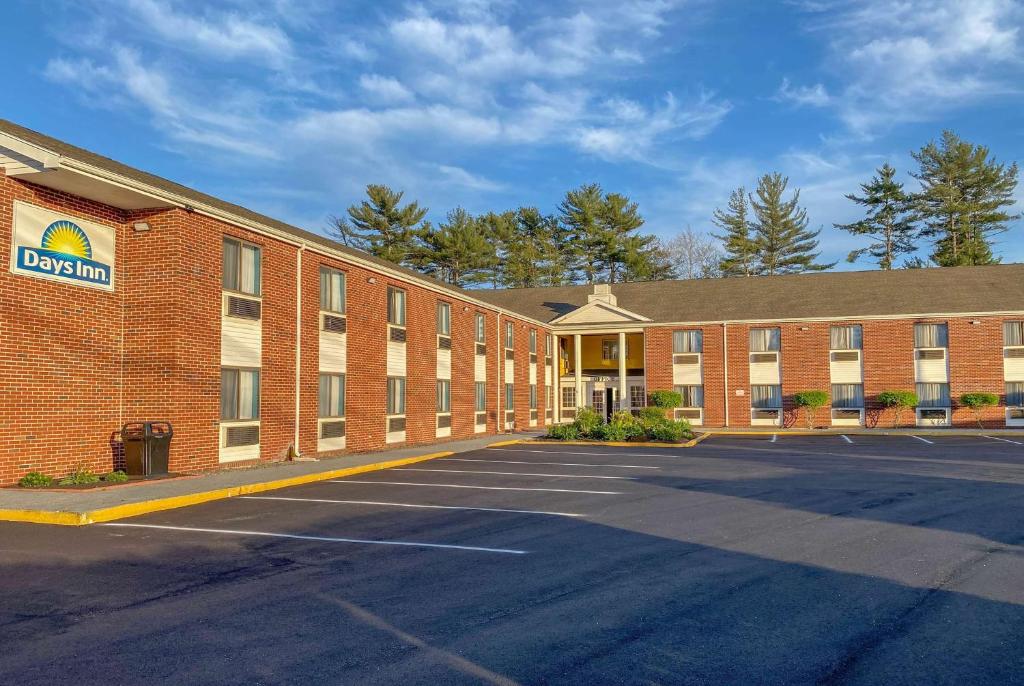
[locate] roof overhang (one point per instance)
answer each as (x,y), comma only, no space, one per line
(43,167)
(597,313)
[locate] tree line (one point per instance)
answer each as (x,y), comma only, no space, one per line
(595,236)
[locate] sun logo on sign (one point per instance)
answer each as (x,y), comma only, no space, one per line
(67,238)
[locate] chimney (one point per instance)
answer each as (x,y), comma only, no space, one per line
(602,293)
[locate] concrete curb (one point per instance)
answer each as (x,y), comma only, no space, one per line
(108,514)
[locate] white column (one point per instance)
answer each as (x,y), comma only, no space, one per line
(622,370)
(577,351)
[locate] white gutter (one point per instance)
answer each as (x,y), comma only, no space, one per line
(298,345)
(725,368)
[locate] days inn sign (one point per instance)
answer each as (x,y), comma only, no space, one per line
(54,246)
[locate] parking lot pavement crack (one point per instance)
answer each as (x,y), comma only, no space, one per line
(902,623)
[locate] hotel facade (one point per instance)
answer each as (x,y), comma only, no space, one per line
(128,297)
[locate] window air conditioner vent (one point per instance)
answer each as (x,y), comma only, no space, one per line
(396,334)
(444,343)
(510,354)
(332,429)
(236,436)
(931,354)
(764,357)
(481,418)
(688,413)
(335,324)
(396,424)
(244,308)
(1015,353)
(686,359)
(846,356)
(444,421)
(481,349)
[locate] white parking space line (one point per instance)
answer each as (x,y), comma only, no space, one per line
(845,438)
(410,505)
(569,452)
(1004,440)
(480,488)
(553,464)
(775,437)
(322,539)
(554,476)
(923,440)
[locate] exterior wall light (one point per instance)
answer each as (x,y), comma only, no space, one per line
(141,226)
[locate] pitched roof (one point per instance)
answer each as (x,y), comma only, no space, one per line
(113,166)
(948,290)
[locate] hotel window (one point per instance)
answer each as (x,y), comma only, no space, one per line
(1015,393)
(609,350)
(933,395)
(481,396)
(332,395)
(693,396)
(931,336)
(765,340)
(480,331)
(444,396)
(547,345)
(637,397)
(1013,334)
(569,397)
(688,341)
(846,337)
(332,290)
(533,341)
(396,306)
(766,397)
(396,395)
(510,399)
(597,401)
(239,394)
(533,396)
(847,395)
(241,267)
(509,335)
(444,319)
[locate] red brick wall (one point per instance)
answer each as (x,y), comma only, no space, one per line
(976,365)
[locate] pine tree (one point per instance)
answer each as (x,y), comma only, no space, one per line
(457,252)
(499,231)
(783,243)
(889,221)
(645,258)
(526,249)
(740,250)
(580,213)
(381,226)
(961,200)
(619,221)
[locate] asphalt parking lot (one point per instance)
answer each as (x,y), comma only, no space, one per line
(744,560)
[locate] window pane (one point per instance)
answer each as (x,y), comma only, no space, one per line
(1015,393)
(230,273)
(765,340)
(396,307)
(688,341)
(479,328)
(248,394)
(848,395)
(846,337)
(325,395)
(325,289)
(933,395)
(1013,333)
(444,390)
(568,397)
(509,335)
(229,394)
(930,336)
(509,397)
(249,279)
(481,396)
(637,397)
(533,396)
(609,350)
(533,341)
(338,292)
(444,318)
(547,345)
(766,397)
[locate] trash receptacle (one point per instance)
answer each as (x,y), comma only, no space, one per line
(147,447)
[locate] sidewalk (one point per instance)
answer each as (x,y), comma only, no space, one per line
(98,505)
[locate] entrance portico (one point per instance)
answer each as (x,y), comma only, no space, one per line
(601,357)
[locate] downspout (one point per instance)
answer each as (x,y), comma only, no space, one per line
(298,346)
(499,423)
(725,368)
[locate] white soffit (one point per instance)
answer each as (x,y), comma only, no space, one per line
(597,312)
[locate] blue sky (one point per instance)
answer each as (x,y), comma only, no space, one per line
(291,108)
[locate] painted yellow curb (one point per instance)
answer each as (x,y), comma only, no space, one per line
(109,514)
(616,444)
(514,442)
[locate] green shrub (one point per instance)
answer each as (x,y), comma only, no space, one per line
(810,401)
(628,425)
(116,477)
(35,480)
(563,432)
(665,399)
(587,421)
(977,402)
(649,415)
(899,401)
(670,430)
(79,477)
(611,432)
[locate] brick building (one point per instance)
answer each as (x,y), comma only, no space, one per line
(129,297)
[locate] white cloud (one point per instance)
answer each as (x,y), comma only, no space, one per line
(913,60)
(813,96)
(461,177)
(385,89)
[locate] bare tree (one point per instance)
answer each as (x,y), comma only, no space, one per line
(694,255)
